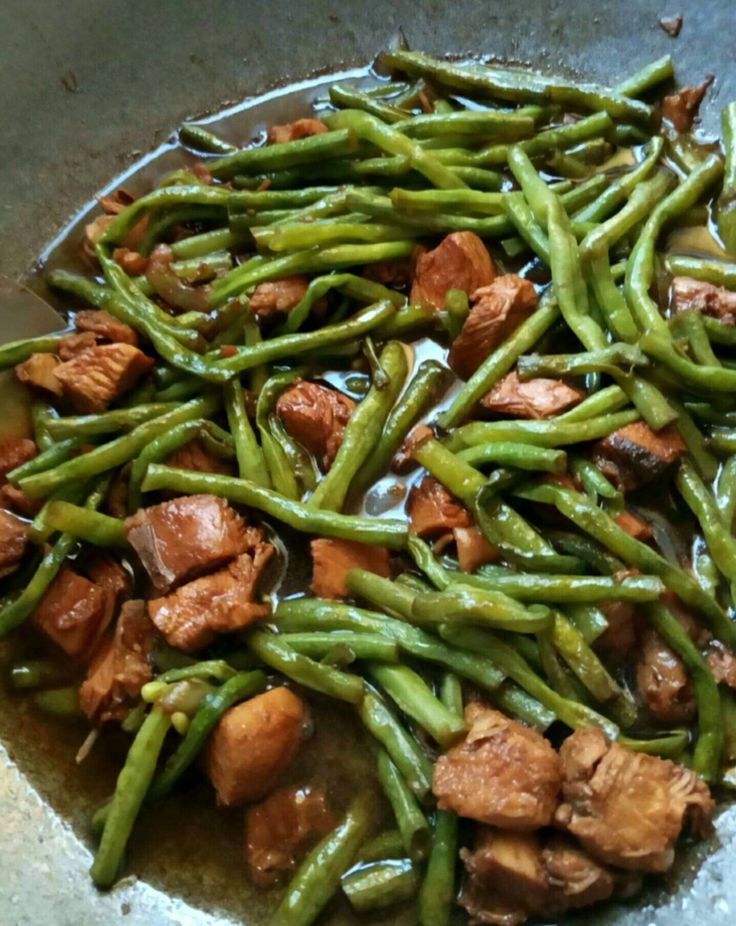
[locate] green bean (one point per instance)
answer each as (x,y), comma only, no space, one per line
(380,884)
(116,452)
(717,272)
(509,126)
(461,603)
(386,845)
(727,199)
(410,820)
(500,362)
(415,699)
(689,328)
(318,877)
(603,360)
(548,433)
(706,759)
(362,645)
(388,139)
(516,85)
(451,200)
(33,673)
(205,243)
(564,589)
(130,791)
(59,702)
(296,236)
(461,479)
(623,186)
(589,621)
(14,352)
(57,453)
(595,483)
(522,217)
(605,401)
(201,139)
(90,526)
(600,526)
(121,419)
(718,537)
(705,462)
(656,72)
(251,462)
(362,432)
(722,440)
(725,492)
(351,98)
(699,377)
(518,455)
(640,265)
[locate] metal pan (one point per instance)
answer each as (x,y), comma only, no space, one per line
(88,87)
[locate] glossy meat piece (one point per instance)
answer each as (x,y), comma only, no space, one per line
(722,663)
(315,416)
(294,131)
(502,773)
(433,511)
(682,107)
(619,639)
(13,452)
(39,371)
(497,312)
(634,526)
(132,262)
(74,344)
(15,499)
(195,456)
(13,543)
(104,327)
(186,537)
(635,455)
(224,601)
(280,829)
(403,460)
(626,808)
(277,297)
(473,550)
(252,745)
(71,612)
(706,298)
(120,667)
(663,681)
(93,379)
(396,274)
(332,559)
(536,398)
(460,261)
(99,567)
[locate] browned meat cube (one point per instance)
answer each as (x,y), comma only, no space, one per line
(706,298)
(252,744)
(332,560)
(394,273)
(721,662)
(294,131)
(536,398)
(39,371)
(497,312)
(14,499)
(195,456)
(13,543)
(619,639)
(71,612)
(460,261)
(634,526)
(74,344)
(120,667)
(277,297)
(315,416)
(682,107)
(626,808)
(433,511)
(473,549)
(99,567)
(105,327)
(280,829)
(502,773)
(92,379)
(224,601)
(663,681)
(577,880)
(403,460)
(13,452)
(186,537)
(132,262)
(635,455)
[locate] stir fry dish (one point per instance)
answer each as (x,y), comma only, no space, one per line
(419,410)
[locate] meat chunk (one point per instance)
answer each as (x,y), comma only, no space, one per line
(14,499)
(619,639)
(252,744)
(634,526)
(294,131)
(706,298)
(282,828)
(682,107)
(394,273)
(537,398)
(222,602)
(721,662)
(403,460)
(121,666)
(13,543)
(332,560)
(39,371)
(473,550)
(92,379)
(460,261)
(71,612)
(99,567)
(662,681)
(74,344)
(131,261)
(626,808)
(277,297)
(502,773)
(13,452)
(186,537)
(105,327)
(498,310)
(635,455)
(195,456)
(433,511)
(315,416)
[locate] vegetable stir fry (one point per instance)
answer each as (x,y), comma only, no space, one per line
(444,334)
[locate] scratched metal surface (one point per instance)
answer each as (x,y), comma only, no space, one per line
(90,86)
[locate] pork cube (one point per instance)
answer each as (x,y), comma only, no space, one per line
(634,526)
(39,371)
(71,612)
(536,398)
(315,416)
(332,560)
(433,511)
(253,744)
(403,461)
(627,808)
(73,344)
(186,537)
(294,131)
(13,543)
(195,456)
(502,773)
(497,312)
(663,681)
(13,452)
(699,296)
(460,261)
(277,297)
(473,550)
(682,107)
(91,380)
(635,455)
(105,327)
